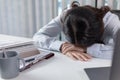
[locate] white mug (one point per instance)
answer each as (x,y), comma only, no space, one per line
(10,65)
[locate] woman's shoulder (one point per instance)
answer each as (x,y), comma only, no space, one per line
(63,13)
(109,16)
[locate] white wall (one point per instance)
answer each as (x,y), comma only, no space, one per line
(25,17)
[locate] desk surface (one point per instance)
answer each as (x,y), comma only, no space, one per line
(60,67)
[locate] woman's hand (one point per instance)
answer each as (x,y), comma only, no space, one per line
(76,55)
(75,52)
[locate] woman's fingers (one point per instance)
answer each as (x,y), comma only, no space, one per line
(78,56)
(79,49)
(84,56)
(69,54)
(67,48)
(87,55)
(70,47)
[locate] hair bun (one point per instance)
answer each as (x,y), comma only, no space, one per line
(75,4)
(105,9)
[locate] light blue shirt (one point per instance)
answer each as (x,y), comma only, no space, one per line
(46,37)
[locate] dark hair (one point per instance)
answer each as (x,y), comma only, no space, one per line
(75,4)
(84,25)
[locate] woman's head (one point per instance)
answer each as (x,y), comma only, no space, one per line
(84,25)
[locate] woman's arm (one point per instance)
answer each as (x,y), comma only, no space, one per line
(46,37)
(101,51)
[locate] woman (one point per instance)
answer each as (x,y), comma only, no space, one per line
(89,32)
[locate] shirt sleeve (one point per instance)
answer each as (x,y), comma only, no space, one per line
(101,51)
(111,26)
(46,37)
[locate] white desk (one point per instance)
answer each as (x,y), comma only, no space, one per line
(60,67)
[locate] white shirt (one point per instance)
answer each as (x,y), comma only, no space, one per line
(46,37)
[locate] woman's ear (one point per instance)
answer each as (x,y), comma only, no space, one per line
(75,4)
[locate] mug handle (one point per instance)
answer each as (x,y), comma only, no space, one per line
(23,64)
